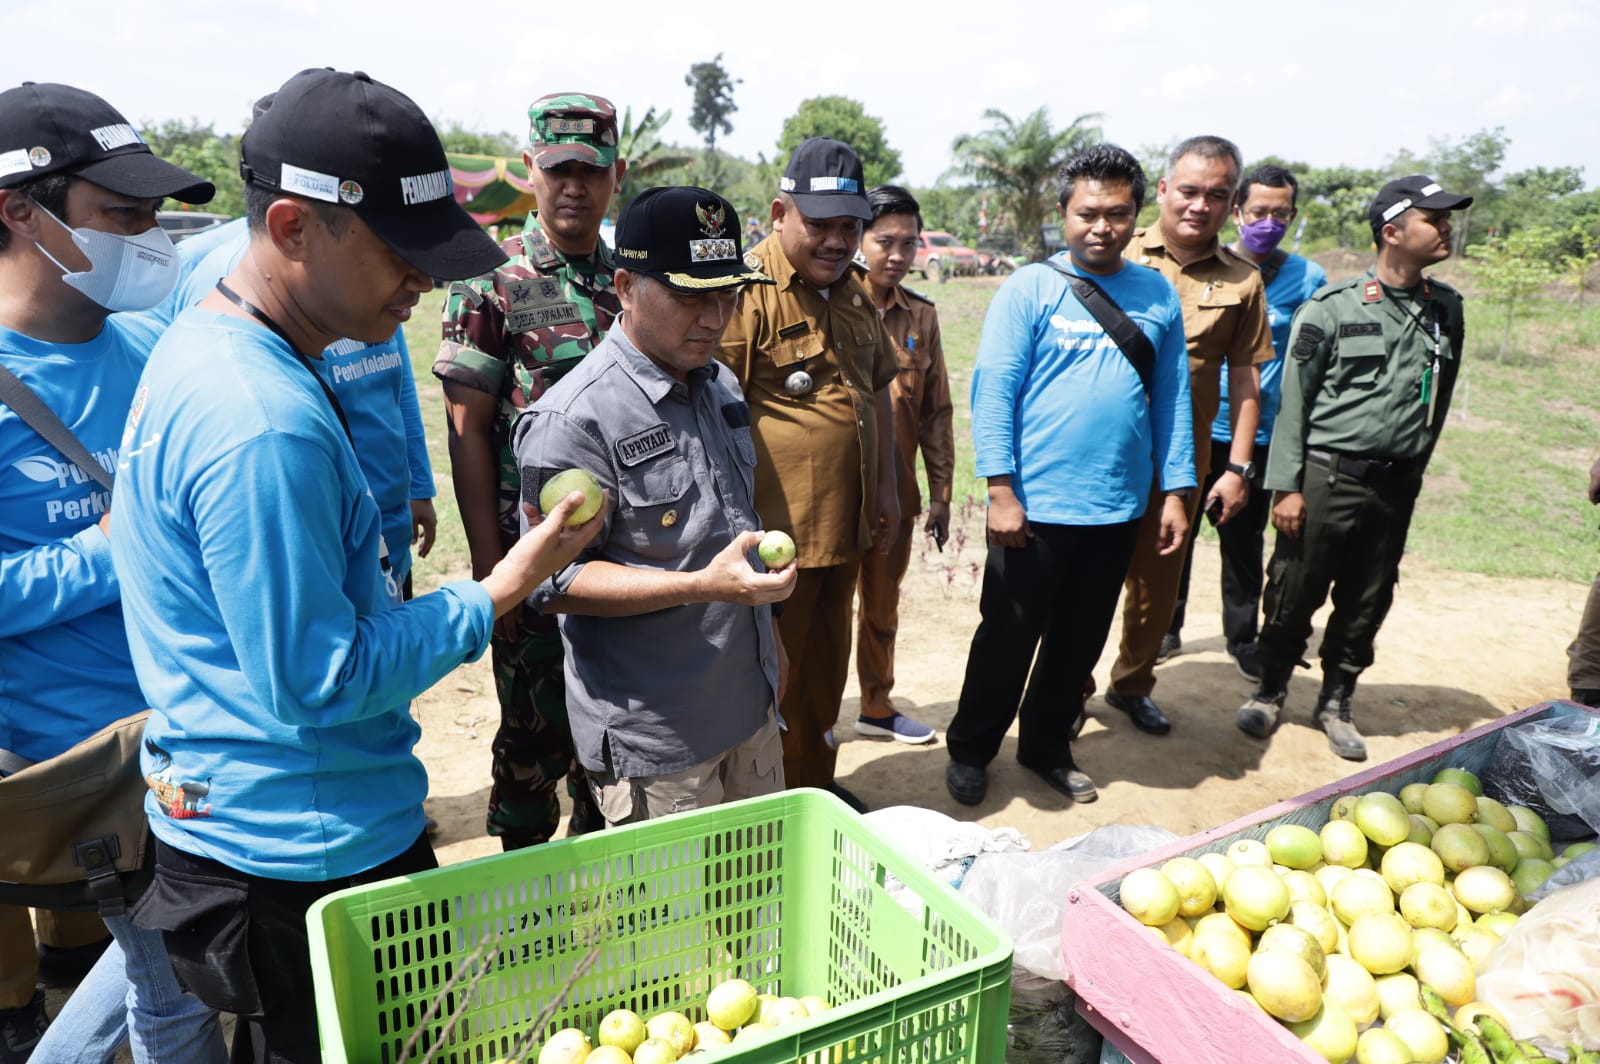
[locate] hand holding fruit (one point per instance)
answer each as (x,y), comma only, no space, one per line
(543,550)
(731,578)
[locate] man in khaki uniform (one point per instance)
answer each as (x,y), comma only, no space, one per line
(920,397)
(1225,321)
(815,366)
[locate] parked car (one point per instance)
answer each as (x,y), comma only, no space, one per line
(183,224)
(940,255)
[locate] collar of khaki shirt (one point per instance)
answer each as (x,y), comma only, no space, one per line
(1152,238)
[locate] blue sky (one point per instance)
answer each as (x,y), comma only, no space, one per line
(1346,83)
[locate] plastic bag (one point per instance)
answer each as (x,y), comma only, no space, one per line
(1545,974)
(1552,766)
(1026,893)
(942,844)
(1044,1028)
(1583,867)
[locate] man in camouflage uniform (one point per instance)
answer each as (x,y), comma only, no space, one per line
(508,336)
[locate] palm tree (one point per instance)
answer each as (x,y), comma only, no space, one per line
(648,158)
(1016,161)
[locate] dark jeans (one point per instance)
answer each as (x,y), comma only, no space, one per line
(1056,595)
(239,943)
(1353,538)
(1241,548)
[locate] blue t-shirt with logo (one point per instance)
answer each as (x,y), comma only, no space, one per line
(374,383)
(1296,280)
(65,671)
(1058,407)
(263,627)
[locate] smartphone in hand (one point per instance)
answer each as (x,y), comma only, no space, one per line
(1214,510)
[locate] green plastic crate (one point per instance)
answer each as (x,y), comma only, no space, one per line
(793,892)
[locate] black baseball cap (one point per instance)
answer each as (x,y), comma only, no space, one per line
(49,129)
(1404,193)
(687,238)
(824,176)
(345,138)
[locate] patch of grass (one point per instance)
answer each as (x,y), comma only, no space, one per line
(1503,496)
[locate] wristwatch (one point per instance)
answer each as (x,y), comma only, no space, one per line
(1247,471)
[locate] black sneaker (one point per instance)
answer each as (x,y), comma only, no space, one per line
(1247,659)
(21,1029)
(1171,647)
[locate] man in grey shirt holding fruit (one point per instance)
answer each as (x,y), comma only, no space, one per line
(673,663)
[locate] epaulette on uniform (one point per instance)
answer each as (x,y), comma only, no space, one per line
(914,294)
(1334,287)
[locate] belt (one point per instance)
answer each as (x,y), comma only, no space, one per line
(1365,469)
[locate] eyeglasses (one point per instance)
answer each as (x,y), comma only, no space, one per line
(1282,214)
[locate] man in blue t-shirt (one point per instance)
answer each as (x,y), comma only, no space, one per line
(1070,437)
(78,240)
(375,387)
(264,623)
(1263,209)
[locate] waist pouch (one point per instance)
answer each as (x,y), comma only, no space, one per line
(75,831)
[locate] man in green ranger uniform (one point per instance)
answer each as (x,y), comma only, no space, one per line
(1372,365)
(508,336)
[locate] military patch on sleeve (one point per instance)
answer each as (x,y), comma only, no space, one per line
(655,440)
(737,415)
(531,318)
(466,291)
(1359,328)
(1309,338)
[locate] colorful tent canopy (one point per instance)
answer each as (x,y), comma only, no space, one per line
(491,188)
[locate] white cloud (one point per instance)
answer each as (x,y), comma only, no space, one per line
(1508,102)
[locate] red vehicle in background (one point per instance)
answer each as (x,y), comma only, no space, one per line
(941,255)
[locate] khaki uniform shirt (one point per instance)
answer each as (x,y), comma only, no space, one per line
(1370,373)
(920,396)
(1224,320)
(816,452)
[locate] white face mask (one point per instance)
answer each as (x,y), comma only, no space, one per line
(125,272)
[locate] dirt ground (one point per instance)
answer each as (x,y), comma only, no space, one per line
(1457,650)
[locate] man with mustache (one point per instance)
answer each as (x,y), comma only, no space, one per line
(815,366)
(508,336)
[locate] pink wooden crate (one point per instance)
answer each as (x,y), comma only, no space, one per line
(1156,1005)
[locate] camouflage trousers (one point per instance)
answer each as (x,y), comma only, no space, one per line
(533,749)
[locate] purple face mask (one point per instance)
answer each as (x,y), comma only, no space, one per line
(1260,238)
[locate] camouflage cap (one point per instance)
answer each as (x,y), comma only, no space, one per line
(567,126)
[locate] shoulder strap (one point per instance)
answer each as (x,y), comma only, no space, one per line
(1133,343)
(31,409)
(1273,263)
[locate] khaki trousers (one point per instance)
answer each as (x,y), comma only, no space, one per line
(815,628)
(1150,594)
(878,619)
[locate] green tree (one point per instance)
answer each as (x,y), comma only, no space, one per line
(1016,161)
(458,139)
(713,104)
(1512,271)
(1464,167)
(954,209)
(1576,265)
(843,119)
(649,159)
(200,149)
